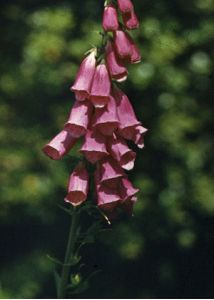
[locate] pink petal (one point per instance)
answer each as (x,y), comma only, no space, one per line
(59,145)
(94,146)
(135,56)
(101,87)
(135,134)
(130,20)
(82,84)
(106,119)
(79,118)
(121,152)
(107,198)
(122,44)
(110,20)
(139,136)
(125,5)
(127,190)
(78,186)
(115,66)
(128,193)
(126,115)
(110,172)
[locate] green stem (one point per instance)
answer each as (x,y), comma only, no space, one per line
(68,255)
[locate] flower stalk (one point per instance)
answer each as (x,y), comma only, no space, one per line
(103,115)
(69,255)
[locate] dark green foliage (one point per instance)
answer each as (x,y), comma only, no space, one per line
(167,249)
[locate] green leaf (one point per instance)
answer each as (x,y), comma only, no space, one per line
(54,260)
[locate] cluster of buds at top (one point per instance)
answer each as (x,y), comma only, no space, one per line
(103,115)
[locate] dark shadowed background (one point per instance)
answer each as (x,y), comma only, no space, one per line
(167,248)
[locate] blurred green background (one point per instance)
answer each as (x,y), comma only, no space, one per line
(167,249)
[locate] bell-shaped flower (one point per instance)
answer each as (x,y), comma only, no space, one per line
(127,190)
(138,137)
(106,119)
(135,57)
(130,20)
(122,44)
(125,6)
(110,19)
(107,198)
(128,193)
(110,172)
(101,86)
(59,145)
(79,118)
(78,186)
(116,69)
(119,150)
(82,84)
(126,115)
(94,146)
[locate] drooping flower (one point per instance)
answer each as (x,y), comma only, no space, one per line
(127,193)
(94,146)
(110,172)
(59,145)
(122,44)
(79,118)
(126,115)
(115,67)
(138,137)
(135,57)
(110,19)
(82,84)
(119,150)
(129,127)
(107,198)
(127,190)
(78,186)
(101,86)
(106,119)
(125,6)
(130,20)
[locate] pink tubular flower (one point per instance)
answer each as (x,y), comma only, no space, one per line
(82,84)
(122,44)
(110,19)
(94,146)
(79,118)
(125,5)
(115,66)
(121,152)
(107,198)
(101,87)
(139,136)
(104,116)
(78,186)
(136,134)
(135,57)
(127,191)
(130,20)
(126,115)
(106,120)
(59,145)
(110,172)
